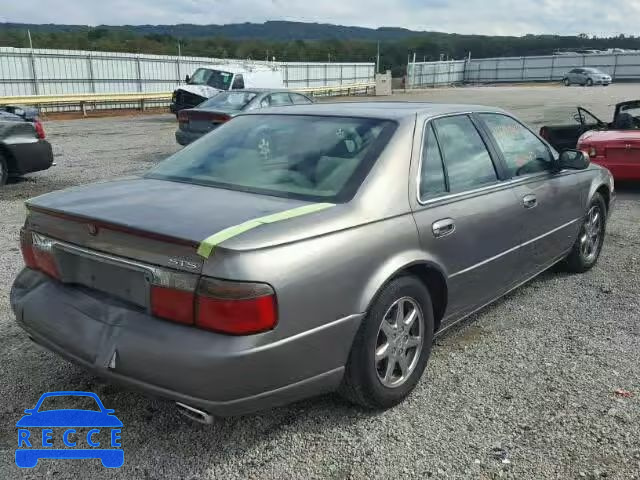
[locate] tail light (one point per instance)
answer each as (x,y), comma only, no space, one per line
(39,129)
(37,252)
(236,308)
(183,117)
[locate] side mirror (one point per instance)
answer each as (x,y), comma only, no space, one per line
(187,78)
(574,160)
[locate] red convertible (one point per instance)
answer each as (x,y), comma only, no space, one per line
(614,145)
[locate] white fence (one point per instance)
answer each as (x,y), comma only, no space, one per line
(59,72)
(435,74)
(621,66)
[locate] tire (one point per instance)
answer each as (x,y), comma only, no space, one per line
(589,82)
(363,382)
(4,170)
(567,82)
(582,256)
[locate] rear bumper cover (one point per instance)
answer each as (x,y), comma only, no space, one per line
(220,374)
(185,138)
(30,156)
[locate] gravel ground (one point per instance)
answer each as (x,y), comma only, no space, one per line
(525,389)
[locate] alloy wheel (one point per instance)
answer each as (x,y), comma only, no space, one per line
(591,234)
(399,342)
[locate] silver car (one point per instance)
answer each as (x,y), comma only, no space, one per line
(586,76)
(302,250)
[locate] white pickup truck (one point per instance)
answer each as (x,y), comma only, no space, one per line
(208,81)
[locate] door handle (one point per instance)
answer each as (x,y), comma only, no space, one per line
(443,227)
(529,201)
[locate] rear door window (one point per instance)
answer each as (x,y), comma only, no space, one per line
(279,99)
(466,157)
(432,178)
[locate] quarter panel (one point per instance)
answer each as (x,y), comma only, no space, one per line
(325,278)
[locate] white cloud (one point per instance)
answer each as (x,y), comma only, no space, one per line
(504,17)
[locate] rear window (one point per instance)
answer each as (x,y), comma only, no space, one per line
(308,157)
(227,101)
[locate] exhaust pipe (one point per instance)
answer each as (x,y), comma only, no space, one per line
(194,414)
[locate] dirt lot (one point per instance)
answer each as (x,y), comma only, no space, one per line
(525,389)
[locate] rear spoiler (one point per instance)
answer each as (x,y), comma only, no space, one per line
(30,114)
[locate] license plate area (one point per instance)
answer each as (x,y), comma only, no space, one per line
(126,282)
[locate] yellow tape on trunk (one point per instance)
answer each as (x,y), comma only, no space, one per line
(208,244)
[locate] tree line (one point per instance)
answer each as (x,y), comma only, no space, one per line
(393,53)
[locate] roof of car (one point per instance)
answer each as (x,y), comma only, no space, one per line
(389,110)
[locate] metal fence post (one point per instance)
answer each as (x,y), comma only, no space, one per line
(91,76)
(308,85)
(553,64)
(615,66)
(341,80)
(139,73)
(34,74)
(326,74)
(522,69)
(179,79)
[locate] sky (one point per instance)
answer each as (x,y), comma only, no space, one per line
(493,17)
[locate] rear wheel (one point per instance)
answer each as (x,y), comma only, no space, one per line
(586,250)
(392,346)
(567,83)
(589,82)
(4,170)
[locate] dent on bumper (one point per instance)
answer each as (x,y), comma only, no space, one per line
(221,374)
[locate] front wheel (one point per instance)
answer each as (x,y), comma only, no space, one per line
(588,245)
(566,82)
(392,346)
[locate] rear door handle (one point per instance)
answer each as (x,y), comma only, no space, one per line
(443,227)
(529,201)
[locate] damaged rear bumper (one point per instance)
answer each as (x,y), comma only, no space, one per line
(220,374)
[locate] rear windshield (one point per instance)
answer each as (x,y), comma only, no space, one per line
(228,101)
(307,157)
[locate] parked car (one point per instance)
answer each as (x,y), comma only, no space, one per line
(588,76)
(614,145)
(23,148)
(210,114)
(299,250)
(209,81)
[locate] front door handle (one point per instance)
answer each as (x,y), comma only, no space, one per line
(529,201)
(443,227)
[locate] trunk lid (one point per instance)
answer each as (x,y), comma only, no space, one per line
(124,236)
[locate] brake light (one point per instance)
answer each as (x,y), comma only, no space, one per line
(39,129)
(37,252)
(183,117)
(235,308)
(172,304)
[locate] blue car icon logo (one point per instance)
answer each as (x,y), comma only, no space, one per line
(69,433)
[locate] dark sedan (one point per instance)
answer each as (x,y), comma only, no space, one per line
(23,148)
(210,114)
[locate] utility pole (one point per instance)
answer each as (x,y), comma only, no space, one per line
(30,42)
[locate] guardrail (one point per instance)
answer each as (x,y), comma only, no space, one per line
(145,99)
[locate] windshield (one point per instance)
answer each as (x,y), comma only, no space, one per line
(228,101)
(213,78)
(592,70)
(306,157)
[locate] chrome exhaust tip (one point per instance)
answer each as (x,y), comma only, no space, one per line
(194,414)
